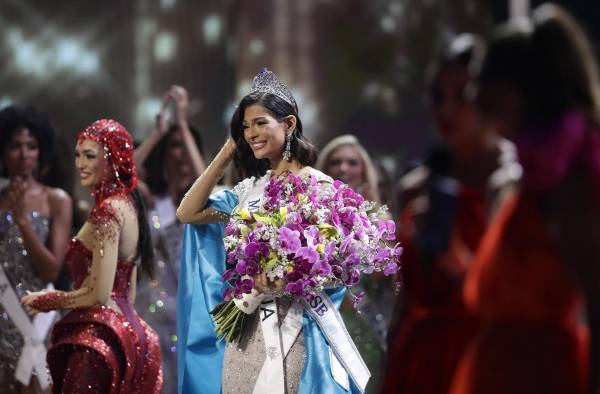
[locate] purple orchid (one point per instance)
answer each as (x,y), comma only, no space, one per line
(289,240)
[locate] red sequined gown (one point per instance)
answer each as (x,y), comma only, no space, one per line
(98,350)
(436,325)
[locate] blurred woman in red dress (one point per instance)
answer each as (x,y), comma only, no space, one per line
(102,346)
(446,203)
(538,263)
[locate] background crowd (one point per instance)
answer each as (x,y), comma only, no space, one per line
(482,137)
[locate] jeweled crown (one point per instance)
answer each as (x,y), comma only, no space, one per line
(267,82)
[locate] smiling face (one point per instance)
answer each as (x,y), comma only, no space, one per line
(89,161)
(345,163)
(21,155)
(264,134)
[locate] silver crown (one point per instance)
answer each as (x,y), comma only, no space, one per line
(267,82)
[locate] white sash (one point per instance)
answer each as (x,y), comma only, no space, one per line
(278,342)
(33,354)
(322,310)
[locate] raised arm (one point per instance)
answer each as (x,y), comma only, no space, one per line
(179,94)
(105,224)
(192,207)
(141,153)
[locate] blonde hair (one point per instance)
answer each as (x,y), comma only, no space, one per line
(370,174)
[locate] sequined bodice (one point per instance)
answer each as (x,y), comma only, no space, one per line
(13,255)
(22,275)
(79,261)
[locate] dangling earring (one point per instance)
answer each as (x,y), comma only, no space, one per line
(287,153)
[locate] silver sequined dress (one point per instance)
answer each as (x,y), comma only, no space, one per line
(156,300)
(242,363)
(21,273)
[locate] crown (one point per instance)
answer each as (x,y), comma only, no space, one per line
(267,82)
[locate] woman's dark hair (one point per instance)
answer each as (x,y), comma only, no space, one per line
(15,118)
(145,250)
(155,175)
(60,172)
(460,50)
(245,162)
(549,62)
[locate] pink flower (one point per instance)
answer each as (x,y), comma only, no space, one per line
(290,240)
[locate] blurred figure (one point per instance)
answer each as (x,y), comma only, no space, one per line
(344,158)
(35,225)
(172,159)
(446,203)
(385,185)
(538,262)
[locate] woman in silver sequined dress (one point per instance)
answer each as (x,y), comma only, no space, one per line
(170,160)
(35,224)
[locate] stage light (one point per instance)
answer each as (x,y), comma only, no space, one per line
(167,4)
(212,28)
(67,53)
(257,46)
(388,24)
(165,46)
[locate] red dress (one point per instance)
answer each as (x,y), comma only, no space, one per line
(436,326)
(97,350)
(533,340)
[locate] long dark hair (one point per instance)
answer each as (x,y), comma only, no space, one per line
(549,62)
(155,175)
(15,117)
(243,158)
(145,249)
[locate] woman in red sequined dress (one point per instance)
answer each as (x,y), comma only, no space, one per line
(102,346)
(537,267)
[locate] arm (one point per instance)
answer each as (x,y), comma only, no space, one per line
(192,207)
(161,128)
(180,96)
(106,223)
(47,259)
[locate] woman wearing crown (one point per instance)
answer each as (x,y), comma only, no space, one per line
(294,354)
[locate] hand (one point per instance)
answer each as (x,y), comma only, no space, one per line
(16,198)
(180,96)
(230,146)
(162,123)
(29,298)
(264,285)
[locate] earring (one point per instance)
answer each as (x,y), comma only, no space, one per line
(287,153)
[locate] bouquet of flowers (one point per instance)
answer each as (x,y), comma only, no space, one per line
(308,235)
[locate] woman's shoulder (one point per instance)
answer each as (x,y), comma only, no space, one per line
(113,208)
(57,196)
(242,186)
(319,175)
